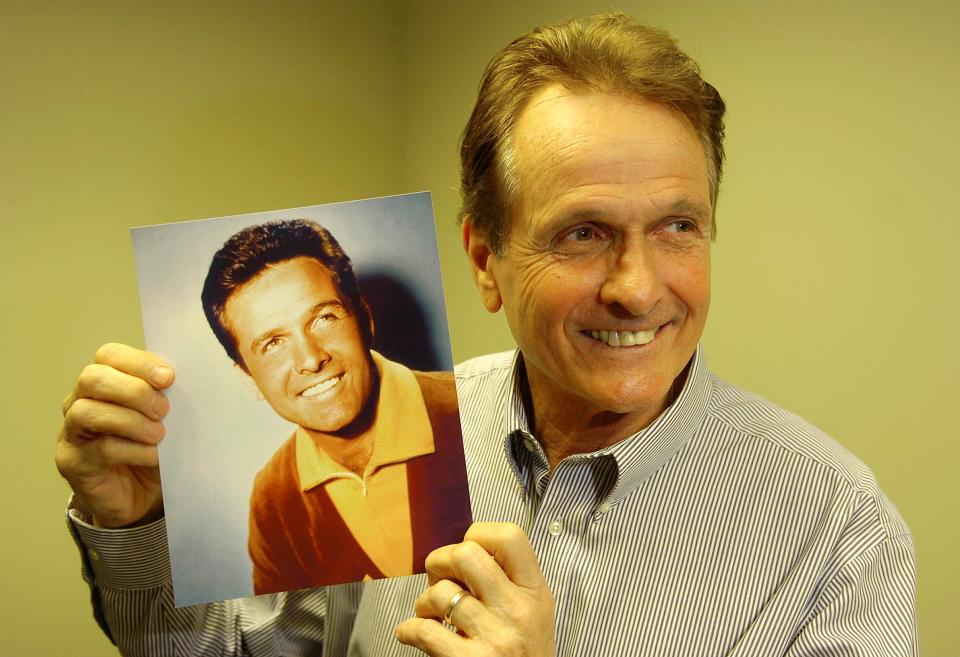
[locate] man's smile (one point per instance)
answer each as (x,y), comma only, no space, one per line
(623,338)
(318,389)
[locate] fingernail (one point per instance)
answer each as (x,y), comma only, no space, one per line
(154,431)
(160,375)
(160,405)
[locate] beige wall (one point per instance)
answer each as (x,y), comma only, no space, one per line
(835,281)
(115,114)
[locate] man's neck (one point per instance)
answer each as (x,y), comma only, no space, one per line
(565,429)
(351,452)
(566,436)
(353,445)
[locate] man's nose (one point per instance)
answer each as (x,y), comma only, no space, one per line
(310,355)
(632,280)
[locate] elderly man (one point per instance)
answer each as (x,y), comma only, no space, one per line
(373,477)
(632,503)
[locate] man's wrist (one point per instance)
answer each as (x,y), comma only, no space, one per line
(129,558)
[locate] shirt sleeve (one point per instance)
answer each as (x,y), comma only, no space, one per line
(867,608)
(128,571)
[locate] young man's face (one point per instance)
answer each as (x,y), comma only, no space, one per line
(302,344)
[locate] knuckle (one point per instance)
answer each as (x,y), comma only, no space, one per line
(466,551)
(103,449)
(433,558)
(510,531)
(63,460)
(85,416)
(107,353)
(91,380)
(72,418)
(421,634)
(438,598)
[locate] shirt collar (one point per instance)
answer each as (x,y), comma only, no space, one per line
(401,429)
(636,457)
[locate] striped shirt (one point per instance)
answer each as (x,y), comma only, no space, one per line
(726,527)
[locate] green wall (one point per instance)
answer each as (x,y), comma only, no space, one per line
(835,281)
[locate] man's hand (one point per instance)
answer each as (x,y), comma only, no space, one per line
(509,610)
(107,447)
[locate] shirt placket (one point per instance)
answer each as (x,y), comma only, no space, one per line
(562,518)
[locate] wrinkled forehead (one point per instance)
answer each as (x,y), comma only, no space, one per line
(572,140)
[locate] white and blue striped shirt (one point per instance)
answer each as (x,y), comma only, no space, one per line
(726,527)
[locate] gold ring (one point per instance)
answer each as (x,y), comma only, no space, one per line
(454,601)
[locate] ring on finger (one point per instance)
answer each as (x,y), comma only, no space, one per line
(452,605)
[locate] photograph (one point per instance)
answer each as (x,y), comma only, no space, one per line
(316,438)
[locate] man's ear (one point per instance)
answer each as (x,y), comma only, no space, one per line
(248,381)
(481,256)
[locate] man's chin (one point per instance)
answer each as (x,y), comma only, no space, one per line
(341,425)
(631,398)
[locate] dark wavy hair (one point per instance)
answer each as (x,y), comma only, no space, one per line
(252,250)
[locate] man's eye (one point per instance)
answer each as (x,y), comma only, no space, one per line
(681,226)
(581,240)
(583,234)
(324,319)
(270,344)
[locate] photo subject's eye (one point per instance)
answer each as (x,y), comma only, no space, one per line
(327,317)
(269,345)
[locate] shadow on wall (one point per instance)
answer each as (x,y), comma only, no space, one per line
(402,331)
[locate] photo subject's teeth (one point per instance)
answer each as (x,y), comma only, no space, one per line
(623,338)
(320,388)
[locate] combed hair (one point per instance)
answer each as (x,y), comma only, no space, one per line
(608,53)
(255,248)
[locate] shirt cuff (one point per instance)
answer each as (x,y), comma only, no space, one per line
(135,558)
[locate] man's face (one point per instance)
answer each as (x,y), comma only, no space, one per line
(302,345)
(605,281)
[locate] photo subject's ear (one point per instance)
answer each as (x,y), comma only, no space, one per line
(248,382)
(372,326)
(480,255)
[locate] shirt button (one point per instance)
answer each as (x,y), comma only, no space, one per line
(94,555)
(604,507)
(528,443)
(555,528)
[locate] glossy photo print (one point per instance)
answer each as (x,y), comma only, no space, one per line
(314,432)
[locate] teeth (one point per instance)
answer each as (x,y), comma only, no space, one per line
(624,338)
(320,388)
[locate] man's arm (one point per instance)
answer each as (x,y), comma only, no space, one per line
(867,608)
(107,452)
(129,575)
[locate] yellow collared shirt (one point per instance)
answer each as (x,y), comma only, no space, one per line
(376,506)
